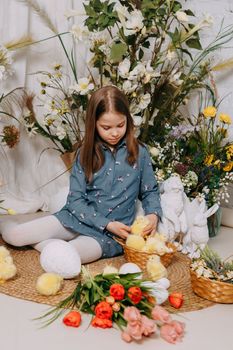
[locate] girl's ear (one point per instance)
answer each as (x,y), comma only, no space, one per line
(211,210)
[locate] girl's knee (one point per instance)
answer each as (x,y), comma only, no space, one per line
(10,234)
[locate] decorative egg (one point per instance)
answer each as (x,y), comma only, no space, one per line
(163,282)
(61,258)
(129,268)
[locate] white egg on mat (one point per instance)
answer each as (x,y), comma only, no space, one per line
(163,282)
(129,268)
(61,258)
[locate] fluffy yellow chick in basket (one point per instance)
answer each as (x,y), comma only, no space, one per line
(156,243)
(7,267)
(135,239)
(152,244)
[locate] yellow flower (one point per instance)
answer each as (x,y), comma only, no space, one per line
(225,118)
(217,163)
(210,112)
(230,148)
(228,167)
(209,159)
(11,211)
(229,151)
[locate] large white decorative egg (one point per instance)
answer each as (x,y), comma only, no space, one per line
(129,268)
(61,258)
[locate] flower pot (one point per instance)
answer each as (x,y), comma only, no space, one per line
(214,223)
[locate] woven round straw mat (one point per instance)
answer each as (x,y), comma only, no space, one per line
(28,270)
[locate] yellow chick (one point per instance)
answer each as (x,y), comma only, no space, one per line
(136,242)
(155,268)
(3,253)
(109,269)
(7,271)
(139,224)
(155,245)
(7,267)
(49,283)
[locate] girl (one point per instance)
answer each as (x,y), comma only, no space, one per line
(111,172)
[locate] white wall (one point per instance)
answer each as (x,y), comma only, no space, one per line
(20,169)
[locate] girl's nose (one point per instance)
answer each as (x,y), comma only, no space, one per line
(114,133)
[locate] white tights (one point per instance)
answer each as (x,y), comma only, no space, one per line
(40,232)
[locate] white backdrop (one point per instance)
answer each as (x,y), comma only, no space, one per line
(22,174)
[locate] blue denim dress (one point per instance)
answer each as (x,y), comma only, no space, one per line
(111,196)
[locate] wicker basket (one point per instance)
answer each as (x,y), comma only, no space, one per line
(220,292)
(140,258)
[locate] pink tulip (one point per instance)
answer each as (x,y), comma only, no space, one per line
(172,332)
(160,314)
(148,326)
(134,330)
(126,337)
(132,314)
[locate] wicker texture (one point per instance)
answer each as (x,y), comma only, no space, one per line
(219,292)
(140,258)
(28,270)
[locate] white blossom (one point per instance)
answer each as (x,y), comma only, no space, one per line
(181,16)
(128,86)
(123,68)
(60,132)
(79,33)
(83,86)
(122,12)
(134,23)
(144,101)
(154,152)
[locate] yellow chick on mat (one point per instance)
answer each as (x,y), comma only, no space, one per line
(139,224)
(7,267)
(49,283)
(155,268)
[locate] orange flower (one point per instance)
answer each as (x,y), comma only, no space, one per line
(101,322)
(228,166)
(72,319)
(103,310)
(135,294)
(117,291)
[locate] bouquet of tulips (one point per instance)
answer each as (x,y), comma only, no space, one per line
(124,300)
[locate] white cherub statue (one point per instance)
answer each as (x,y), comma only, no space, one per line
(174,221)
(197,235)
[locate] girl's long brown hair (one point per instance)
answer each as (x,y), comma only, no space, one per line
(105,99)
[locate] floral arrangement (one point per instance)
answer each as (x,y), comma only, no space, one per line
(143,47)
(123,300)
(210,265)
(200,154)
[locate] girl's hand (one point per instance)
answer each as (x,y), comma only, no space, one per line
(119,229)
(151,227)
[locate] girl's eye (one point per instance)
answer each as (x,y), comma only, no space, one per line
(105,128)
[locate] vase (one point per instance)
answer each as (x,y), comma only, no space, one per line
(214,223)
(68,159)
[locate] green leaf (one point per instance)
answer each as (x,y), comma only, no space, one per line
(118,50)
(194,44)
(189,12)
